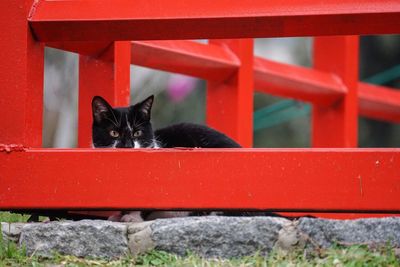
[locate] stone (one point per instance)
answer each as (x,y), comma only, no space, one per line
(86,238)
(207,236)
(214,236)
(11,231)
(290,238)
(139,237)
(372,231)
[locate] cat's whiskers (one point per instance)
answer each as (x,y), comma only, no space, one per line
(134,118)
(128,124)
(140,124)
(114,145)
(116,121)
(120,120)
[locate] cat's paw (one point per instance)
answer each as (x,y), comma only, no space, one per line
(134,216)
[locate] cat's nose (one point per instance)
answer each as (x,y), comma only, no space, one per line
(129,143)
(126,144)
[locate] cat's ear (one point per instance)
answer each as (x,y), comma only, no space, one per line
(145,106)
(100,108)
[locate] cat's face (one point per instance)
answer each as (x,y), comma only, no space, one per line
(128,127)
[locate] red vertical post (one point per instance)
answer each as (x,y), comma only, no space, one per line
(107,75)
(336,125)
(230,102)
(21,77)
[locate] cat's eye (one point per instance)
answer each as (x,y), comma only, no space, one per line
(114,134)
(137,133)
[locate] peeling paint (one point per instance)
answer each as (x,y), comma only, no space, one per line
(8,148)
(361,186)
(35,5)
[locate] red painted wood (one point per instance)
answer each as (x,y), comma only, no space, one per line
(87,48)
(318,87)
(277,179)
(88,20)
(205,61)
(230,103)
(100,76)
(336,126)
(21,77)
(379,102)
(122,69)
(337,216)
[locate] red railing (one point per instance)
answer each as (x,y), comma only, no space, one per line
(334,179)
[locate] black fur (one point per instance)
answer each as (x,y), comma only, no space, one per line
(116,128)
(128,120)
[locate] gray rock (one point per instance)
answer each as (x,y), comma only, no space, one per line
(374,231)
(290,238)
(139,237)
(209,236)
(11,231)
(87,238)
(214,236)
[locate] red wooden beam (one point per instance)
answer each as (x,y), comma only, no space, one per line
(297,82)
(87,48)
(21,77)
(278,179)
(205,61)
(336,126)
(379,102)
(105,20)
(229,106)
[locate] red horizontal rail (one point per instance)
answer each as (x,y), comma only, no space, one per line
(278,179)
(297,82)
(379,102)
(87,48)
(205,61)
(110,20)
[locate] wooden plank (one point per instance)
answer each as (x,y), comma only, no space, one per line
(229,106)
(106,20)
(365,180)
(337,125)
(21,77)
(379,102)
(300,83)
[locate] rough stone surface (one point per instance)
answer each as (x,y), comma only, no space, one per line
(209,236)
(217,236)
(290,238)
(11,231)
(139,237)
(347,232)
(87,238)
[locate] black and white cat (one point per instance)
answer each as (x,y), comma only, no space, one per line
(130,127)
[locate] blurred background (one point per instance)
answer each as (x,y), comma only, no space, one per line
(277,122)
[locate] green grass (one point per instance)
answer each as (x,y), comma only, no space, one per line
(13,217)
(360,255)
(338,256)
